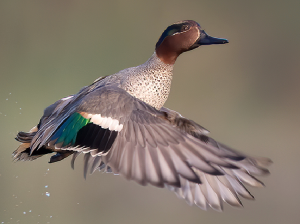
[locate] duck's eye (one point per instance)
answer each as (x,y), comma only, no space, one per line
(184,28)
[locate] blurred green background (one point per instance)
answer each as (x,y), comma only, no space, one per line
(245,92)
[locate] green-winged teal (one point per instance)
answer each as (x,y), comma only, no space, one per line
(121,126)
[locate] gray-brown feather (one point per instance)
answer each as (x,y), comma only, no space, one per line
(163,148)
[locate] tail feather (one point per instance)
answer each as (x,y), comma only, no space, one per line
(26,137)
(23,153)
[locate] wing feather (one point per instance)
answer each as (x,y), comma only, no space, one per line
(159,147)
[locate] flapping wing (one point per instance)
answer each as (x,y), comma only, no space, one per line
(158,148)
(121,134)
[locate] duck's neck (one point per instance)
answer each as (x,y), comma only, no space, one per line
(156,63)
(150,82)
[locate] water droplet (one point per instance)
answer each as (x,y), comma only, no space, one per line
(29,210)
(48,169)
(20,108)
(50,216)
(47,194)
(9,93)
(16,176)
(24,213)
(46,186)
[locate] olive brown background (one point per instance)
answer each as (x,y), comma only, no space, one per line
(245,92)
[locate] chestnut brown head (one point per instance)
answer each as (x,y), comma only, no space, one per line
(180,37)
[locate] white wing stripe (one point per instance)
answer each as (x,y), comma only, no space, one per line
(104,122)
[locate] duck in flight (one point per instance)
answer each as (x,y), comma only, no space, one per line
(120,125)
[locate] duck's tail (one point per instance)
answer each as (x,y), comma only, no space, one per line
(24,153)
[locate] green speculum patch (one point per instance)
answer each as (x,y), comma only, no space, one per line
(67,132)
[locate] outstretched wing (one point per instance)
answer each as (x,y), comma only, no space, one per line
(175,153)
(166,150)
(162,148)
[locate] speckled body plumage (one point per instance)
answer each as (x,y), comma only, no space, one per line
(149,82)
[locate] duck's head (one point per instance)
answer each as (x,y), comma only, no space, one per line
(180,37)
